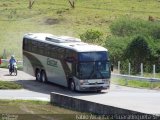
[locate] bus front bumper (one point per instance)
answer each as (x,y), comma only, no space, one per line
(93,87)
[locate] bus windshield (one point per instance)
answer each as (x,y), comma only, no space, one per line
(93,65)
(93,56)
(94,70)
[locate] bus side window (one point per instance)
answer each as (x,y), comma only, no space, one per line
(41,48)
(68,55)
(46,50)
(61,52)
(54,51)
(29,45)
(25,44)
(34,47)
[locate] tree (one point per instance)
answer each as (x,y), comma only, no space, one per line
(138,52)
(31,2)
(72,3)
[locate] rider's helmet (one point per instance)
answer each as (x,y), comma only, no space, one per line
(12,56)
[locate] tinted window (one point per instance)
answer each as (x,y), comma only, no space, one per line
(29,47)
(34,46)
(41,48)
(93,56)
(61,52)
(70,55)
(46,49)
(93,70)
(54,50)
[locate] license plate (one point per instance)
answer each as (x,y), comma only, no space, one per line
(95,81)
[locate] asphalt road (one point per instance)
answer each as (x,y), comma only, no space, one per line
(142,100)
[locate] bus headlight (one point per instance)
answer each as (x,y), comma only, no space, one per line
(82,82)
(104,80)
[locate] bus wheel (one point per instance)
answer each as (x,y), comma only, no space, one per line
(38,75)
(72,85)
(43,76)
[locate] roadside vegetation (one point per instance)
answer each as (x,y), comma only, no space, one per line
(35,110)
(136,83)
(9,85)
(135,41)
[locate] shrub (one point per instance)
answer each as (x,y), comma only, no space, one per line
(92,36)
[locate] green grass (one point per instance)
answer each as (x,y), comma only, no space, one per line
(16,19)
(9,85)
(136,83)
(37,110)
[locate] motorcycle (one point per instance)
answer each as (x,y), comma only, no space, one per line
(13,69)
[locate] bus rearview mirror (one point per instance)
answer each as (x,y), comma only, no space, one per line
(112,67)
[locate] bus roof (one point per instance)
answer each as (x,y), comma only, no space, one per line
(65,41)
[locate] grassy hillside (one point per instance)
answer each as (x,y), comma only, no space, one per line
(56,17)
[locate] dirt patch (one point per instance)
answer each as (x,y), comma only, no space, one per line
(51,21)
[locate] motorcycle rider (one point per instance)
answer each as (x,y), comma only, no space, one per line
(11,62)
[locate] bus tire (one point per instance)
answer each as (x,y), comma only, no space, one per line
(72,85)
(38,75)
(43,76)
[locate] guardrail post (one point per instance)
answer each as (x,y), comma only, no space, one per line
(141,69)
(126,82)
(151,84)
(119,67)
(129,68)
(154,71)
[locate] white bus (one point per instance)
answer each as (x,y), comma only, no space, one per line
(66,61)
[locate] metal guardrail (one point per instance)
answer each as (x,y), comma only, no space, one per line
(131,77)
